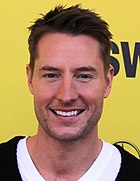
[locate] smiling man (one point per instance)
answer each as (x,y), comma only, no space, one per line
(68,84)
(69,76)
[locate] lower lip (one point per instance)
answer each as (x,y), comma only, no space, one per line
(68,118)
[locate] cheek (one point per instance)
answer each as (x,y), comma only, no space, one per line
(92,92)
(43,94)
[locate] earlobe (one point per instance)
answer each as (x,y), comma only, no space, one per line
(29,78)
(109,80)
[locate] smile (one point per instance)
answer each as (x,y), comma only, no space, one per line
(67,113)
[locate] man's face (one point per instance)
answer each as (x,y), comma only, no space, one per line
(68,85)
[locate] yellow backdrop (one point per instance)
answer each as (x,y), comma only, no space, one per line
(120,120)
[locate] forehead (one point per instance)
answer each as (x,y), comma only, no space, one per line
(67,41)
(58,48)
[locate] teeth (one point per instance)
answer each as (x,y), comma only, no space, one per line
(70,113)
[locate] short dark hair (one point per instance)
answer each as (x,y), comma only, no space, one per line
(73,20)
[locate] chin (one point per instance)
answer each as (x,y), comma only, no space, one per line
(68,136)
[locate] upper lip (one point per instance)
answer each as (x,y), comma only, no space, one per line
(67,110)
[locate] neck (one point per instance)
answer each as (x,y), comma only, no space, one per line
(57,158)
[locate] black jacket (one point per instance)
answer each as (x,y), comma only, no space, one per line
(129,171)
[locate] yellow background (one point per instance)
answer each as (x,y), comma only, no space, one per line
(121,117)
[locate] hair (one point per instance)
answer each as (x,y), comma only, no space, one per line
(75,21)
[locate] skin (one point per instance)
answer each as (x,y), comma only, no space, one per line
(69,86)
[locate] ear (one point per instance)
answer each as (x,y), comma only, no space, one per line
(29,78)
(109,80)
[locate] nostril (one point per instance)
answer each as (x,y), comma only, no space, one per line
(67,93)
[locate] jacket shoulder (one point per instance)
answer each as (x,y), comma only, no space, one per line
(8,161)
(12,143)
(130,166)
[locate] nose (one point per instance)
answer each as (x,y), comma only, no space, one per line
(67,91)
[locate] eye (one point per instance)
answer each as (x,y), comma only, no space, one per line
(84,77)
(51,76)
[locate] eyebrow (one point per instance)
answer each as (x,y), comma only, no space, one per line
(80,69)
(49,68)
(86,69)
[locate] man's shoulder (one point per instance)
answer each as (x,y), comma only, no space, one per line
(10,144)
(130,166)
(127,156)
(8,161)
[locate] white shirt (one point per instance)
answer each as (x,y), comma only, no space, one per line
(105,167)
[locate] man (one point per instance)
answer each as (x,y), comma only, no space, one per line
(69,75)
